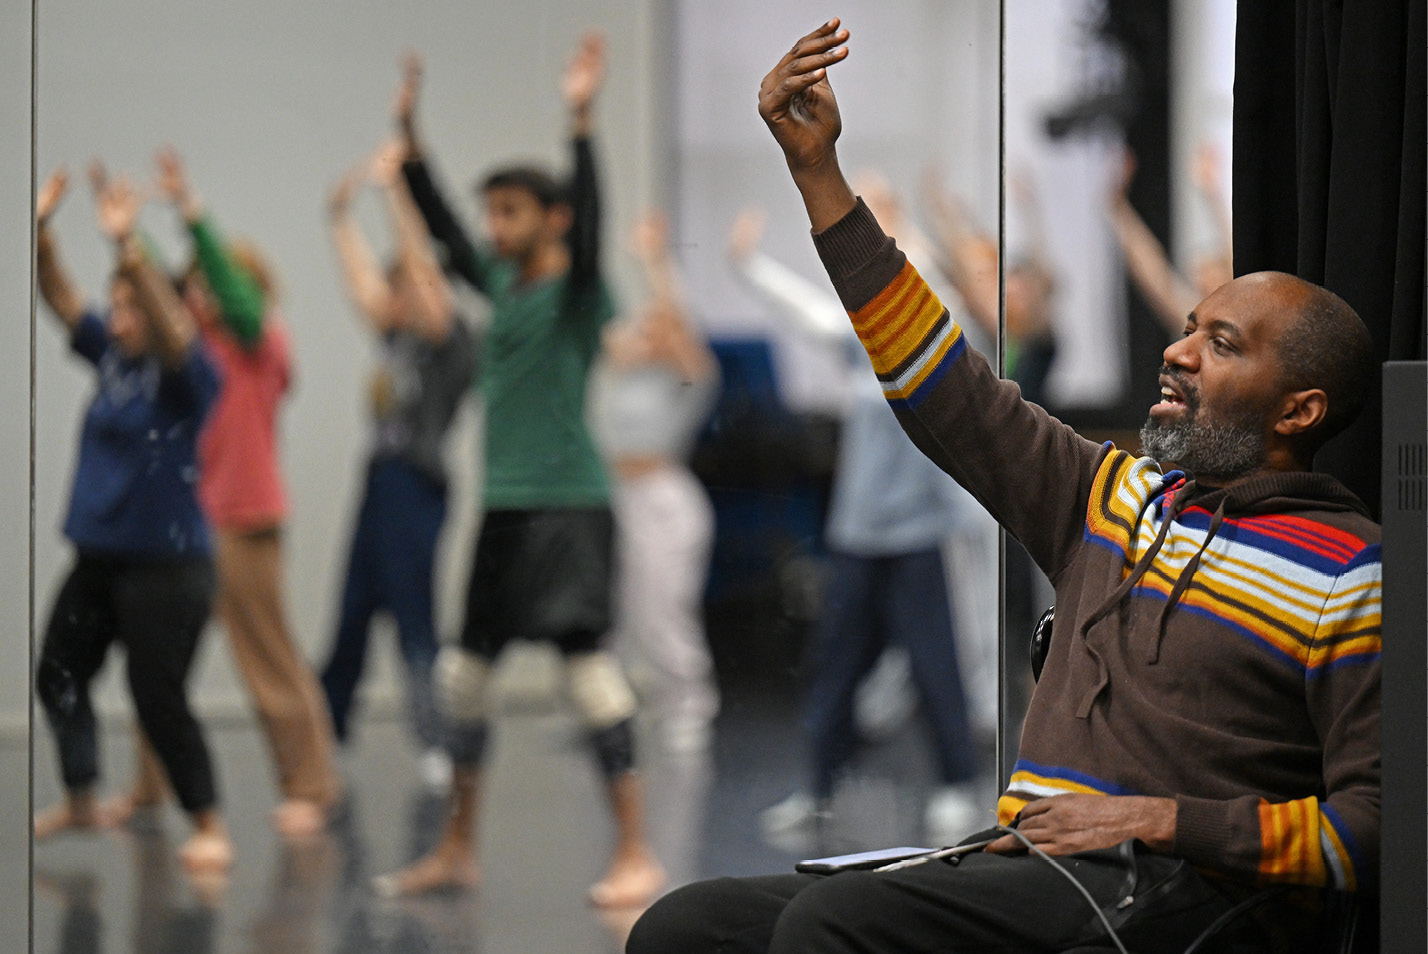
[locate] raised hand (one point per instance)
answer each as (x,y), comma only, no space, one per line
(98,175)
(747,231)
(171,179)
(797,103)
(584,75)
(404,108)
(51,193)
(650,237)
(384,168)
(117,204)
(1205,169)
(342,193)
(796,100)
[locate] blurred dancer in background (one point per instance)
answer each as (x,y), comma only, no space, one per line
(542,562)
(891,512)
(228,287)
(651,394)
(427,359)
(143,573)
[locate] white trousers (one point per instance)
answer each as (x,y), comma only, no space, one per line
(664,531)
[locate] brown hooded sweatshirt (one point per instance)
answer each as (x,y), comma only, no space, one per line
(1215,646)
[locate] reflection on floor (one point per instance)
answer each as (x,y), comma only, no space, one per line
(544,835)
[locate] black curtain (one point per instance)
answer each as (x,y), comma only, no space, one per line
(1329,146)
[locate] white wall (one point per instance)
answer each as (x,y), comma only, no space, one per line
(269,102)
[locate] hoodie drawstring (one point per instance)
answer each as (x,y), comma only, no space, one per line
(1182,582)
(1103,676)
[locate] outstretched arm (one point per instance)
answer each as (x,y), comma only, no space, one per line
(815,312)
(1031,472)
(431,293)
(461,255)
(172,328)
(580,85)
(56,286)
(1164,290)
(797,103)
(241,301)
(361,274)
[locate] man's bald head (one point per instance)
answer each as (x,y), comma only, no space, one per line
(1324,344)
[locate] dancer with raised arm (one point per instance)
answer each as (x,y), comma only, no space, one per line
(651,393)
(229,289)
(143,571)
(424,372)
(542,562)
(890,515)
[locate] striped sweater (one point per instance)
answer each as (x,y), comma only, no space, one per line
(1219,647)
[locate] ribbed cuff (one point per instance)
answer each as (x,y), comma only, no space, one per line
(1202,834)
(850,243)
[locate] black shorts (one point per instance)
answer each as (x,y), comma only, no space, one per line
(540,574)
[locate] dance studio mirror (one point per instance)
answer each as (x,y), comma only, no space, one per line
(1117,143)
(268,104)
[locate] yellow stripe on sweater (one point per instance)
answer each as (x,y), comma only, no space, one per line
(895,323)
(1289,842)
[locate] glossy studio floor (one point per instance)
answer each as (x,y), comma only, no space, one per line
(543,837)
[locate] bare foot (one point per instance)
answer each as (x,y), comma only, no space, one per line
(299,818)
(634,878)
(207,853)
(75,813)
(448,868)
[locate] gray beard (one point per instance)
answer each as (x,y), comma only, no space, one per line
(1225,449)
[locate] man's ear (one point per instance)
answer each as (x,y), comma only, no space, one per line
(1301,411)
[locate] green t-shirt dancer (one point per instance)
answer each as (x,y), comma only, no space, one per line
(545,327)
(542,562)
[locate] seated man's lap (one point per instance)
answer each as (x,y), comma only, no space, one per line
(986,903)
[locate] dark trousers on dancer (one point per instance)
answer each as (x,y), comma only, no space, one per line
(156,610)
(391,567)
(986,904)
(872,603)
(541,575)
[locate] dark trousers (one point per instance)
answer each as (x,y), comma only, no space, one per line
(156,610)
(391,566)
(987,903)
(871,603)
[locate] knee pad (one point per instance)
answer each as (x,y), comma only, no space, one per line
(461,679)
(598,689)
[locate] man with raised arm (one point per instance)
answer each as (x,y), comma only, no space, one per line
(542,562)
(1207,721)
